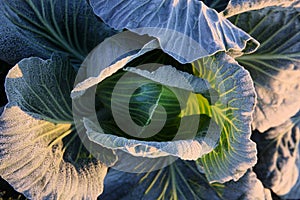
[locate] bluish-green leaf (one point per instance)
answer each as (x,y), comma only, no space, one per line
(110,56)
(278,151)
(236,7)
(41,154)
(187,30)
(181,181)
(41,88)
(39,28)
(181,98)
(247,187)
(274,67)
(294,193)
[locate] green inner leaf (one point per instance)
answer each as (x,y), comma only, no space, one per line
(146,99)
(151,94)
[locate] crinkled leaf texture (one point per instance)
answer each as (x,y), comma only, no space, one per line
(236,7)
(232,111)
(178,181)
(236,152)
(277,153)
(41,155)
(200,32)
(275,66)
(38,28)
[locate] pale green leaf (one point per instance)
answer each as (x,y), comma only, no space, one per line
(235,153)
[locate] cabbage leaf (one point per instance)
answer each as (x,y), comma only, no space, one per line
(178,181)
(200,32)
(41,154)
(278,151)
(38,28)
(235,152)
(274,67)
(236,7)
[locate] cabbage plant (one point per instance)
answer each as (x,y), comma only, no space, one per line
(151,99)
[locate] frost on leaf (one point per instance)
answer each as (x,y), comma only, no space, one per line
(41,154)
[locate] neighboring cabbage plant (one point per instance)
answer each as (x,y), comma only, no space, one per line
(152,99)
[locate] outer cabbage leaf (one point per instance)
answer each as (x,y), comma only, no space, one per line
(275,66)
(200,32)
(294,193)
(247,187)
(239,6)
(38,28)
(277,154)
(108,57)
(178,181)
(40,153)
(236,153)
